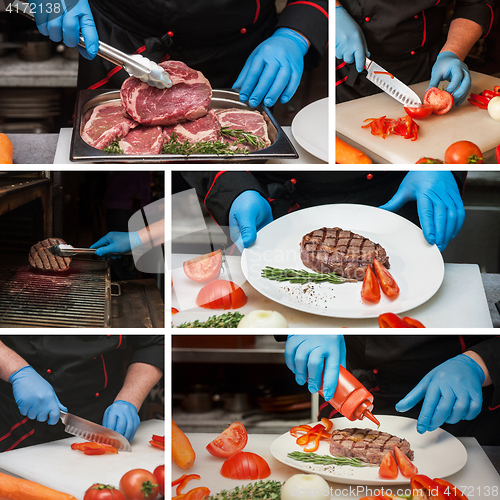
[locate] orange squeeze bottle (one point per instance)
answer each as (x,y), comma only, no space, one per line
(351,398)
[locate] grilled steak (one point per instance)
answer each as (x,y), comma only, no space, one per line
(366,444)
(41,258)
(333,250)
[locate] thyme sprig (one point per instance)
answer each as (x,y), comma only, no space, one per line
(302,277)
(261,490)
(186,148)
(114,148)
(314,458)
(226,320)
(243,137)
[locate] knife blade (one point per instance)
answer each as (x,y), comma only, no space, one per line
(93,432)
(390,84)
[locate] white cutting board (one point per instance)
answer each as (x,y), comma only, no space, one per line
(436,133)
(59,467)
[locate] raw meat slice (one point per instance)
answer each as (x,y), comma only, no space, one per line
(206,128)
(248,120)
(41,258)
(106,124)
(333,250)
(188,99)
(142,141)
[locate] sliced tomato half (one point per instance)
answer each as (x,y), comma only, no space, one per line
(370,290)
(221,294)
(388,468)
(440,100)
(406,466)
(230,441)
(419,111)
(203,268)
(245,465)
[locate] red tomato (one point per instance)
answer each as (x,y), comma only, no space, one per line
(426,159)
(405,465)
(245,465)
(387,282)
(159,474)
(419,111)
(463,152)
(197,493)
(139,484)
(204,268)
(230,441)
(388,468)
(221,294)
(370,291)
(103,492)
(440,100)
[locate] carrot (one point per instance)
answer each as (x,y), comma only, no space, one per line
(6,150)
(347,154)
(13,488)
(182,451)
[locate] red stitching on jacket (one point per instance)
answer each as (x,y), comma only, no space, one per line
(425,28)
(462,343)
(341,65)
(494,408)
(15,426)
(257,11)
(105,373)
(491,22)
(120,342)
(342,80)
(312,5)
(21,439)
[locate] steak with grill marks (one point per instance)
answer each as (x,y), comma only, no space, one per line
(366,444)
(334,250)
(41,258)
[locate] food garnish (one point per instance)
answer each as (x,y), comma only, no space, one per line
(265,490)
(186,148)
(243,137)
(388,468)
(226,320)
(482,99)
(405,127)
(327,459)
(387,283)
(302,277)
(370,290)
(114,148)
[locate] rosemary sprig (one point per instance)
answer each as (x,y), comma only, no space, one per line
(186,148)
(226,320)
(243,137)
(261,490)
(302,277)
(114,148)
(314,458)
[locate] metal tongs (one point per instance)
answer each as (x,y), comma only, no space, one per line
(135,65)
(69,251)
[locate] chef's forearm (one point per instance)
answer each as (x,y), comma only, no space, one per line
(479,360)
(153,234)
(139,380)
(462,35)
(10,362)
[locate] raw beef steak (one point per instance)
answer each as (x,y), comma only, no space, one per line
(366,444)
(206,128)
(41,258)
(333,250)
(188,98)
(247,120)
(106,124)
(142,141)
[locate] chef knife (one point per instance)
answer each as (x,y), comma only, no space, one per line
(135,65)
(93,432)
(390,84)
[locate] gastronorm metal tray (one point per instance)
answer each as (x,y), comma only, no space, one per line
(80,151)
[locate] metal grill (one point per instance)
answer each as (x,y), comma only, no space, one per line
(78,297)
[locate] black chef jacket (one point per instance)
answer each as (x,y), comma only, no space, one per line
(404,38)
(390,366)
(214,37)
(287,191)
(85,371)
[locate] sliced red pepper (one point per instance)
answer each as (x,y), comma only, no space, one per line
(391,320)
(94,451)
(479,101)
(424,487)
(158,439)
(497,154)
(182,481)
(387,282)
(489,94)
(412,322)
(383,73)
(197,493)
(156,444)
(304,439)
(313,444)
(91,445)
(451,488)
(496,88)
(327,423)
(299,428)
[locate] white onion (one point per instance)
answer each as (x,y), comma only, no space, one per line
(263,319)
(494,108)
(305,487)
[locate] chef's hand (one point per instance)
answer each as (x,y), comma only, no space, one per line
(63,20)
(249,213)
(273,69)
(450,68)
(35,397)
(116,243)
(350,43)
(307,355)
(122,417)
(439,205)
(451,392)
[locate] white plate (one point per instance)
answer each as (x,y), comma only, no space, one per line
(437,453)
(417,267)
(310,128)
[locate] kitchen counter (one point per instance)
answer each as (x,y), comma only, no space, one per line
(477,477)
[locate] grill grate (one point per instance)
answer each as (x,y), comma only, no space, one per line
(78,297)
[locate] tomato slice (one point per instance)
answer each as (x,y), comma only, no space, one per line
(405,465)
(388,468)
(245,465)
(387,282)
(440,100)
(221,294)
(370,290)
(419,111)
(230,441)
(204,268)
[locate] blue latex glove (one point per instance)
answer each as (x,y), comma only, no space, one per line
(451,392)
(308,354)
(450,68)
(63,20)
(122,417)
(350,43)
(273,69)
(249,213)
(439,205)
(116,243)
(35,397)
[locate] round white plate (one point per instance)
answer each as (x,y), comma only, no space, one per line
(417,267)
(310,128)
(437,453)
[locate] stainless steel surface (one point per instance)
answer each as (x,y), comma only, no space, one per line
(390,84)
(80,151)
(93,432)
(69,251)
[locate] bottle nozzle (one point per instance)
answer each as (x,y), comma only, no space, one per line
(369,415)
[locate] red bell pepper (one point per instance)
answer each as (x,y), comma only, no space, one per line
(182,481)
(448,487)
(497,154)
(391,320)
(423,487)
(479,101)
(412,322)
